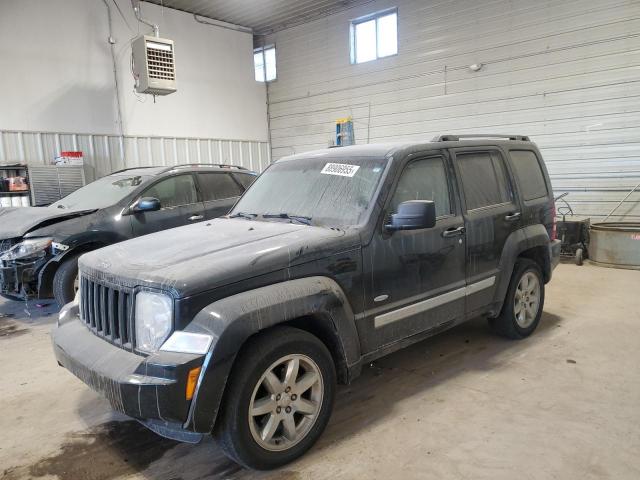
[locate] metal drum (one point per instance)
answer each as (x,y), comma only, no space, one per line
(615,244)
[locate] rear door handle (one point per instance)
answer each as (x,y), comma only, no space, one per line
(453,232)
(512,217)
(195,218)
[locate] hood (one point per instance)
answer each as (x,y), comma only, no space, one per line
(192,259)
(15,222)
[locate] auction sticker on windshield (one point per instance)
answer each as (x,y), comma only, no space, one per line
(341,169)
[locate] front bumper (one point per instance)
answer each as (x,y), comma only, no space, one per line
(150,389)
(19,279)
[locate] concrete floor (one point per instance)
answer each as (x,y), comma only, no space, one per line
(563,404)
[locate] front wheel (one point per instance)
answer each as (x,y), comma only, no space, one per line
(65,281)
(523,304)
(279,399)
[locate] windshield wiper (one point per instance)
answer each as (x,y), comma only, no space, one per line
(297,218)
(250,216)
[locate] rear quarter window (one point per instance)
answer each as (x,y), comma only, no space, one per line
(528,171)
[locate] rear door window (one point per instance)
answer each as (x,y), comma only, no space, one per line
(245,179)
(218,186)
(484,179)
(529,174)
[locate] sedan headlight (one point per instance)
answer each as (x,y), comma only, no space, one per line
(27,248)
(154,318)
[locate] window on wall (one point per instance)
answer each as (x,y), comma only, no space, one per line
(264,62)
(374,36)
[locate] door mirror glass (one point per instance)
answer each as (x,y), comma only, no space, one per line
(413,215)
(147,204)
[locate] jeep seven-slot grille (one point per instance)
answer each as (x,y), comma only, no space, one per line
(107,311)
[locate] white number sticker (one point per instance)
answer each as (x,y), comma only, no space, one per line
(340,169)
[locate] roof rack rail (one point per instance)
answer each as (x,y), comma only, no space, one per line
(220,165)
(131,168)
(456,138)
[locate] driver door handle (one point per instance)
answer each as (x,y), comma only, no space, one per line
(453,232)
(512,217)
(194,218)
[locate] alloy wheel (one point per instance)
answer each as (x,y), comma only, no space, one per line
(527,300)
(286,402)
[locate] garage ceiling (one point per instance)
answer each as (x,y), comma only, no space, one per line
(263,16)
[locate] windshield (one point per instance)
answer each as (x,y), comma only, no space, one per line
(100,194)
(328,192)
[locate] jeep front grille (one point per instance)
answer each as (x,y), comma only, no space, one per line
(107,311)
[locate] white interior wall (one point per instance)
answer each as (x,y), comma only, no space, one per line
(566,73)
(56,74)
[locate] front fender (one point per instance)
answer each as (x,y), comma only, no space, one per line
(232,320)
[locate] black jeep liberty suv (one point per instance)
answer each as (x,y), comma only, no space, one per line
(242,326)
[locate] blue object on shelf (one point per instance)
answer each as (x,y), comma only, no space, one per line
(344,132)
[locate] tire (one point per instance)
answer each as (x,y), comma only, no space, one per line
(237,431)
(579,256)
(517,322)
(64,280)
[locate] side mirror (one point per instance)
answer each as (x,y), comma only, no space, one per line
(146,204)
(413,215)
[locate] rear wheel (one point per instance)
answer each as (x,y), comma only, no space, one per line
(523,304)
(65,281)
(279,399)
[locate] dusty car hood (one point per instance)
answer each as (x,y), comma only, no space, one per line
(189,260)
(15,222)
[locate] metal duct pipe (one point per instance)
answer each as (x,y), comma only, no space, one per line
(136,10)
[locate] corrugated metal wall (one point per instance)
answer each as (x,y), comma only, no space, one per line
(566,73)
(104,154)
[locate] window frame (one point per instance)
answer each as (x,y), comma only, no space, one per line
(262,50)
(506,167)
(195,186)
(366,18)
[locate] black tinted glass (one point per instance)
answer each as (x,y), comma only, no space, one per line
(530,177)
(484,179)
(216,186)
(424,180)
(245,179)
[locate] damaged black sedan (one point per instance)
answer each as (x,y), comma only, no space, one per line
(40,246)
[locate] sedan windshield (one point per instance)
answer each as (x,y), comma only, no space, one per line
(102,193)
(316,191)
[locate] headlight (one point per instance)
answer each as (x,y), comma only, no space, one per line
(154,316)
(27,248)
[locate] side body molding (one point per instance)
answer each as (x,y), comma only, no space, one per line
(524,239)
(232,320)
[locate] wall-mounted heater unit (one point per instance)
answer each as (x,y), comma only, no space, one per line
(154,65)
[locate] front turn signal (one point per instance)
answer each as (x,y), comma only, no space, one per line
(192,381)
